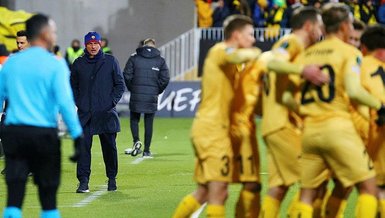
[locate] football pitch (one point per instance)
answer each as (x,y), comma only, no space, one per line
(147,188)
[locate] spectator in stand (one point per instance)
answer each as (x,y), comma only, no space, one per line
(105,48)
(317,4)
(285,23)
(220,13)
(204,13)
(381,13)
(240,7)
(146,75)
(56,51)
(367,12)
(258,13)
(275,16)
(73,52)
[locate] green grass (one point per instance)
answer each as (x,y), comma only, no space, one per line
(149,189)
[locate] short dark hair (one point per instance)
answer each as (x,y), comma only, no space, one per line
(235,23)
(358,25)
(374,37)
(303,14)
(333,14)
(21,33)
(35,24)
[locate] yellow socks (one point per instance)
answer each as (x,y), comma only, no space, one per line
(270,207)
(341,210)
(325,202)
(332,207)
(186,207)
(215,211)
(293,202)
(248,204)
(382,207)
(366,206)
(301,210)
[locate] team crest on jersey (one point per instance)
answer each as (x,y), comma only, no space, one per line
(359,61)
(284,45)
(229,50)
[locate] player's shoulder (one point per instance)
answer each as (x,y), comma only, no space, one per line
(286,41)
(369,60)
(219,47)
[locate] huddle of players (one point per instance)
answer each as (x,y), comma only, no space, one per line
(308,90)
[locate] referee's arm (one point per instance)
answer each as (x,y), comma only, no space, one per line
(64,98)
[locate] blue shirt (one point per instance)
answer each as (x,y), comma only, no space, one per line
(37,87)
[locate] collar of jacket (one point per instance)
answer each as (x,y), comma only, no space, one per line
(96,58)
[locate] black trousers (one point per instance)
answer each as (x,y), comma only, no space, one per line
(1,144)
(110,155)
(148,127)
(32,149)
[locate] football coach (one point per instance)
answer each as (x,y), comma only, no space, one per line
(98,85)
(37,87)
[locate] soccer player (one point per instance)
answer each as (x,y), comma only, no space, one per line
(211,127)
(243,137)
(373,78)
(36,85)
(279,127)
(330,140)
(355,35)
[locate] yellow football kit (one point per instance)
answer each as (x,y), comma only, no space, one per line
(373,79)
(243,128)
(279,126)
(361,121)
(330,140)
(210,130)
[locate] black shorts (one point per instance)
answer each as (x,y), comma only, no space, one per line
(32,149)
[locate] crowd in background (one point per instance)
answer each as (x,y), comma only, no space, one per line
(277,13)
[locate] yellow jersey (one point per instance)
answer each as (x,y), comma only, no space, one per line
(330,100)
(373,79)
(247,92)
(275,115)
(219,75)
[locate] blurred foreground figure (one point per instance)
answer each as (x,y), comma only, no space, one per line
(36,86)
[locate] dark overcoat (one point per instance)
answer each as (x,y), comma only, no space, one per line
(98,86)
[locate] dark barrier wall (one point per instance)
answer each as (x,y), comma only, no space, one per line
(206,44)
(180,99)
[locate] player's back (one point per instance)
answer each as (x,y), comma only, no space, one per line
(331,99)
(373,76)
(373,79)
(217,92)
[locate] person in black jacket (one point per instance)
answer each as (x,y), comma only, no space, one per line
(98,85)
(146,76)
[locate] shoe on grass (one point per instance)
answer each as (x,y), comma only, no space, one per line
(83,188)
(111,185)
(136,148)
(147,154)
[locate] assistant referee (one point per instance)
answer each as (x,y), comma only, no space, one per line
(36,85)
